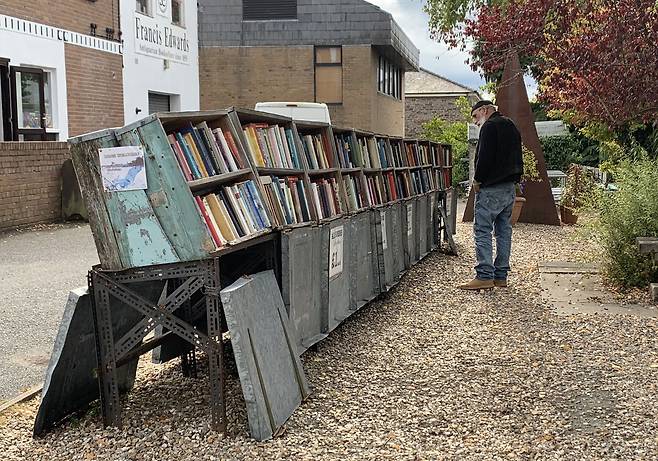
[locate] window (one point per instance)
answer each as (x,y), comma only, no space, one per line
(177,12)
(142,6)
(329,74)
(389,79)
(159,103)
(258,10)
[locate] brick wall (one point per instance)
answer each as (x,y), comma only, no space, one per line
(74,15)
(243,76)
(421,109)
(94,87)
(30,177)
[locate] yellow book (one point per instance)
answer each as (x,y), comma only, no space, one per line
(257,155)
(195,153)
(220,218)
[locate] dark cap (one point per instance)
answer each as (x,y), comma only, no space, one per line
(479,104)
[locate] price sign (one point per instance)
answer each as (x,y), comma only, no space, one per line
(384,237)
(336,251)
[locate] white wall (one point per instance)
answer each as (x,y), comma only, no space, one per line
(29,51)
(143,73)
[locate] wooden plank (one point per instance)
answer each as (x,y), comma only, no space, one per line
(84,154)
(169,196)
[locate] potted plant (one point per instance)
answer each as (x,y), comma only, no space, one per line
(530,173)
(578,185)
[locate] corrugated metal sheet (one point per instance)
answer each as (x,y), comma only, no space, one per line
(254,10)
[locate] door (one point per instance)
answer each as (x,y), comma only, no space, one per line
(28,104)
(5,102)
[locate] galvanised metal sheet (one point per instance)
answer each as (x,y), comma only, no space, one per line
(271,374)
(398,238)
(301,273)
(365,271)
(423,225)
(336,256)
(410,229)
(382,222)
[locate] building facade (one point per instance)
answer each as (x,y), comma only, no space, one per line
(429,95)
(84,65)
(348,54)
(160,55)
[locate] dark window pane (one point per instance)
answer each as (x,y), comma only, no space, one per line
(253,10)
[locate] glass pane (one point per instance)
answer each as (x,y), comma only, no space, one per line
(142,6)
(28,101)
(329,84)
(47,99)
(328,55)
(176,12)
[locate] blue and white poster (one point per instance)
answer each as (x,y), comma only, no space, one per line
(122,168)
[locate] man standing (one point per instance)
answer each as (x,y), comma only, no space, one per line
(498,168)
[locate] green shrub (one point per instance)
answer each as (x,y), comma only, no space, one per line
(561,151)
(624,215)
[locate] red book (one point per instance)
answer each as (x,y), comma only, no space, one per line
(180,157)
(234,149)
(391,184)
(209,224)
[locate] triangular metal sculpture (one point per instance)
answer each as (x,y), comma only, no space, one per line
(512,101)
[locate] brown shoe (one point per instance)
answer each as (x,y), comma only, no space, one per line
(502,283)
(477,284)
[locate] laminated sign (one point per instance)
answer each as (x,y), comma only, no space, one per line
(384,239)
(336,251)
(122,168)
(410,220)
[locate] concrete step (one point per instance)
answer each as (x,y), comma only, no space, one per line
(647,244)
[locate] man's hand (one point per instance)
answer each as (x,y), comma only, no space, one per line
(476,186)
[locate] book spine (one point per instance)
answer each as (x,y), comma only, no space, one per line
(188,155)
(195,153)
(203,151)
(255,198)
(180,158)
(206,218)
(247,210)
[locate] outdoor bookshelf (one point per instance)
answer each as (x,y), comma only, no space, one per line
(388,170)
(442,165)
(348,155)
(400,167)
(425,173)
(316,142)
(271,148)
(374,158)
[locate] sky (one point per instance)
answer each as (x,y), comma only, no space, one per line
(435,57)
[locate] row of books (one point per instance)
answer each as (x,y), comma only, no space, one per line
(271,146)
(353,191)
(443,178)
(233,212)
(287,199)
(373,153)
(202,152)
(424,154)
(412,154)
(317,150)
(441,156)
(324,193)
(347,150)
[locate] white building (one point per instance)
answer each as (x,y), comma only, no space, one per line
(160,55)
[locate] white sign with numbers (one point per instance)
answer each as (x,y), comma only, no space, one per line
(410,220)
(336,251)
(384,237)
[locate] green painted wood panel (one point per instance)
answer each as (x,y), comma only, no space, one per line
(169,194)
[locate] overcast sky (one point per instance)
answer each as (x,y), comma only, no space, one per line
(436,57)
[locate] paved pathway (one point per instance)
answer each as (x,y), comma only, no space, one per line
(38,268)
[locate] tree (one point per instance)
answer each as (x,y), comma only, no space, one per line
(595,60)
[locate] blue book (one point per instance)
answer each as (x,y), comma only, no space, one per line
(188,155)
(203,152)
(251,205)
(248,205)
(293,148)
(259,205)
(282,198)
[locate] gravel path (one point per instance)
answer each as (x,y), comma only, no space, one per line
(428,372)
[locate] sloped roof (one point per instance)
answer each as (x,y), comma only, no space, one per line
(425,82)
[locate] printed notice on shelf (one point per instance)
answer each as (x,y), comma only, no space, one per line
(336,251)
(122,168)
(384,239)
(410,220)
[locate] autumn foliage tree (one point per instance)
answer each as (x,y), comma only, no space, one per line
(595,60)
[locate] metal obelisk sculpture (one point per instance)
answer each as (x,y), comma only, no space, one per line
(512,101)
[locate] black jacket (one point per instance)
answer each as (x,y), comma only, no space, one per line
(498,154)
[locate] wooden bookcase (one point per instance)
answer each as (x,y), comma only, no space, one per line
(289,173)
(348,154)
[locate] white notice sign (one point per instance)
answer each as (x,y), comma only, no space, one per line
(384,237)
(410,220)
(122,168)
(336,251)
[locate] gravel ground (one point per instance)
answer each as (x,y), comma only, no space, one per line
(428,372)
(39,265)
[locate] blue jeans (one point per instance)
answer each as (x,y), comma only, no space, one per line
(493,213)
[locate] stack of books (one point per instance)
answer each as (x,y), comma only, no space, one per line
(421,182)
(424,154)
(324,194)
(271,146)
(317,150)
(353,190)
(347,151)
(287,199)
(383,158)
(202,152)
(376,190)
(233,212)
(413,159)
(391,187)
